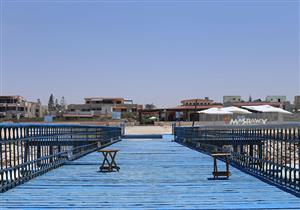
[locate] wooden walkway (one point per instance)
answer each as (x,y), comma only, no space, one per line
(155,174)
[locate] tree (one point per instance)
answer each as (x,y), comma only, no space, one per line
(51,106)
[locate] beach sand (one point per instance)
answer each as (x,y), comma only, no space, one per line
(148,130)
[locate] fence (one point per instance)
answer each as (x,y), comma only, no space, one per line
(270,152)
(30,150)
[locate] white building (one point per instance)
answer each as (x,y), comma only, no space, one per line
(18,107)
(101,107)
(280,99)
(228,100)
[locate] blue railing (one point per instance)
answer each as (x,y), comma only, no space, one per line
(28,150)
(270,152)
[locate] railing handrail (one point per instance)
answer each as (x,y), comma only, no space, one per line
(24,125)
(29,149)
(268,125)
(271,151)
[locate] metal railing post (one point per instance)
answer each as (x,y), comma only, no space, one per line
(271,151)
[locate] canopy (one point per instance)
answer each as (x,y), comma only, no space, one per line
(266,108)
(218,111)
(226,110)
(236,110)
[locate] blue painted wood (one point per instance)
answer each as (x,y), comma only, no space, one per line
(143,136)
(155,174)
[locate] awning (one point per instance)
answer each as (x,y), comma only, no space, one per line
(217,111)
(236,110)
(266,109)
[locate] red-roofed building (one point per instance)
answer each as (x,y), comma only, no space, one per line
(187,111)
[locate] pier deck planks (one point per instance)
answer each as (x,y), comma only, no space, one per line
(154,174)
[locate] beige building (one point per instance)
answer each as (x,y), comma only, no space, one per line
(279,99)
(228,100)
(197,102)
(18,107)
(297,103)
(186,111)
(101,107)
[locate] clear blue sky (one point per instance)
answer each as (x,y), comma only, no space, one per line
(150,51)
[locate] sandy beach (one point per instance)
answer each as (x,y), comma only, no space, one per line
(148,130)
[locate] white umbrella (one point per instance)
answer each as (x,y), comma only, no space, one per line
(267,108)
(236,110)
(218,111)
(215,111)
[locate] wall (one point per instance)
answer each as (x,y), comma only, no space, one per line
(215,120)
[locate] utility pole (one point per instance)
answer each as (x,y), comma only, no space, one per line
(195,111)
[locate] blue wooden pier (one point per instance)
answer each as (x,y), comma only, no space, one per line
(155,174)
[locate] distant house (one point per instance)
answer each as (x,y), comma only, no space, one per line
(279,99)
(19,107)
(101,107)
(297,103)
(228,100)
(187,111)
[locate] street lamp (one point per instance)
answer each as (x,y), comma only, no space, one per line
(195,111)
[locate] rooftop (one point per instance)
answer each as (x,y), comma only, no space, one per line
(198,107)
(197,99)
(239,104)
(103,98)
(13,96)
(155,174)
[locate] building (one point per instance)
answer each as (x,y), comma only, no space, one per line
(18,107)
(228,100)
(276,101)
(279,99)
(196,102)
(187,111)
(102,107)
(297,103)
